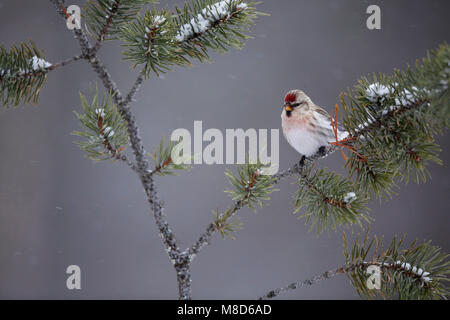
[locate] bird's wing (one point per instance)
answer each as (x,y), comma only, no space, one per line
(341,131)
(323,113)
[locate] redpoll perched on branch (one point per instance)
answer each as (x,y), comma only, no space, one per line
(306,126)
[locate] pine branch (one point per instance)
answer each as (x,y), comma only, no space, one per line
(251,187)
(219,221)
(105,134)
(161,40)
(179,259)
(162,158)
(149,41)
(23,72)
(331,200)
(216,25)
(105,18)
(393,121)
(419,271)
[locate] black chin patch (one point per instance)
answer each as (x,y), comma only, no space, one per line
(288,114)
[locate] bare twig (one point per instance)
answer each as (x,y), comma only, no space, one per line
(309,282)
(127,161)
(130,96)
(65,62)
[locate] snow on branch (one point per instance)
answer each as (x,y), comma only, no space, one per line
(417,271)
(160,39)
(23,72)
(392,122)
(208,17)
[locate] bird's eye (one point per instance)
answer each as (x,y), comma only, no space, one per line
(295,105)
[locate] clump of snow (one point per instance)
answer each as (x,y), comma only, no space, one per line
(206,18)
(242,6)
(158,20)
(406,97)
(364,125)
(109,132)
(5,72)
(377,92)
(349,197)
(100,112)
(39,64)
(417,271)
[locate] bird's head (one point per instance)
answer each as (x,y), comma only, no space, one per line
(296,101)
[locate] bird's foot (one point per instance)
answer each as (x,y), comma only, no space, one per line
(301,164)
(322,151)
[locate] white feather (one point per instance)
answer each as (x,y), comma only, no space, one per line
(304,141)
(308,142)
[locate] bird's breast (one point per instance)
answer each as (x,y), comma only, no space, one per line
(295,121)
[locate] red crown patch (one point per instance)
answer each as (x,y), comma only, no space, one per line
(291,97)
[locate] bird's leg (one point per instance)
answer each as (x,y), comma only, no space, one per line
(322,151)
(301,164)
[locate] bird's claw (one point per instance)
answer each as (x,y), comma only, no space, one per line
(322,151)
(301,164)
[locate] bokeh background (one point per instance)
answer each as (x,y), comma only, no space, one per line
(57,208)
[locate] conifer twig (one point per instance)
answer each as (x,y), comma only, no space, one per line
(134,89)
(306,283)
(43,70)
(65,62)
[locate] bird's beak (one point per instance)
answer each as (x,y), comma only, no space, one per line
(288,108)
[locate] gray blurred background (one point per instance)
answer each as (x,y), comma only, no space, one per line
(57,208)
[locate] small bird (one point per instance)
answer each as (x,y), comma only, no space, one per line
(306,126)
